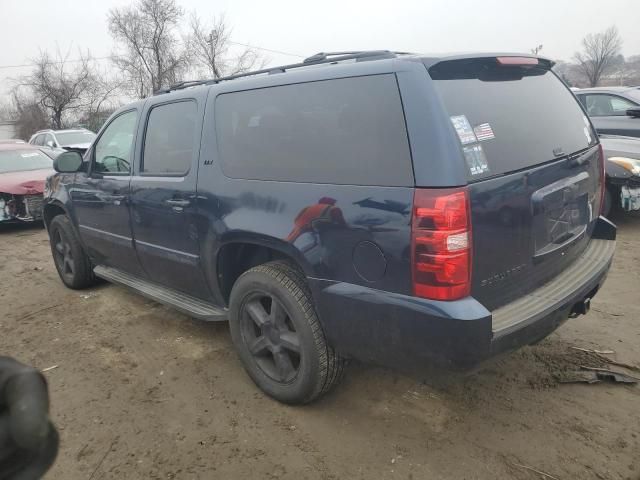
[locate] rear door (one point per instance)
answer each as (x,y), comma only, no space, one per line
(163,192)
(532,164)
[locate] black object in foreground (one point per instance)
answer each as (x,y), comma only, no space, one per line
(28,439)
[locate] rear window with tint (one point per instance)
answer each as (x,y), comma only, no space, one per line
(523,116)
(343,131)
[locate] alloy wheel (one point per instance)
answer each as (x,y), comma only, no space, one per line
(271,337)
(63,255)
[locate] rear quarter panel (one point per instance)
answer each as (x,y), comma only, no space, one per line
(276,214)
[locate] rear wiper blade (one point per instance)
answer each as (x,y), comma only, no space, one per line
(577,160)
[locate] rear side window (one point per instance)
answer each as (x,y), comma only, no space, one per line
(510,117)
(169,139)
(343,131)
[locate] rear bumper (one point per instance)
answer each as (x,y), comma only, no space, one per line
(403,331)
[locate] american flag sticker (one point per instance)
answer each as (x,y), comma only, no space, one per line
(484,132)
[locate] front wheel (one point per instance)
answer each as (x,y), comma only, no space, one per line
(72,263)
(278,337)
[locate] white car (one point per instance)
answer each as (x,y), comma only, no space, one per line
(71,139)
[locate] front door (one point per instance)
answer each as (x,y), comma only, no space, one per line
(101,194)
(163,194)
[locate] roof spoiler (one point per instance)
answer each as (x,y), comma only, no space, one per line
(523,57)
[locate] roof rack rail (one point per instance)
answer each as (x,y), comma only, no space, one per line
(317,59)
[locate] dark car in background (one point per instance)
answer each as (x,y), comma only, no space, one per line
(367,205)
(623,173)
(613,110)
(23,172)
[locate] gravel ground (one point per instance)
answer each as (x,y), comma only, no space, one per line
(141,391)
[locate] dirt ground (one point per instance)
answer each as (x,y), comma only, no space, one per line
(141,391)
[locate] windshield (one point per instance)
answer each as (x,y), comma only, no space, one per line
(22,160)
(510,118)
(72,138)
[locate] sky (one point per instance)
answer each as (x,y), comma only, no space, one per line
(301,28)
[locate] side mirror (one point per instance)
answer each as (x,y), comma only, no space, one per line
(50,144)
(634,112)
(67,162)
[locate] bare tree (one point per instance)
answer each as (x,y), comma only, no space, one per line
(152,55)
(101,101)
(28,114)
(599,52)
(59,85)
(59,92)
(212,48)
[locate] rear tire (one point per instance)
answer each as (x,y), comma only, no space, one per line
(71,262)
(278,337)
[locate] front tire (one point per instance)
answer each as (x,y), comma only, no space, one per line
(278,337)
(71,262)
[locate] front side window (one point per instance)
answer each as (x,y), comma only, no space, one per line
(169,139)
(39,140)
(601,105)
(49,141)
(114,149)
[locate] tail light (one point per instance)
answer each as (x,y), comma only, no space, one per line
(441,243)
(603,179)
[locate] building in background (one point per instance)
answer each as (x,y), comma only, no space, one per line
(8,129)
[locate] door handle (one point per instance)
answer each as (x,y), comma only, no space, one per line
(118,199)
(178,202)
(109,198)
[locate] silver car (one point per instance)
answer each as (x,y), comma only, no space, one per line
(71,139)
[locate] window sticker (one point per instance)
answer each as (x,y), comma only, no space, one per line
(476,159)
(463,128)
(28,155)
(484,132)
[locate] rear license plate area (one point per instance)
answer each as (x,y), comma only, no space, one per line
(561,214)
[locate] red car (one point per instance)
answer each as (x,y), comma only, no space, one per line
(23,171)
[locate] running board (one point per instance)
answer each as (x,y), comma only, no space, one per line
(180,301)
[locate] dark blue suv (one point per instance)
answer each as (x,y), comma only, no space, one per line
(393,208)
